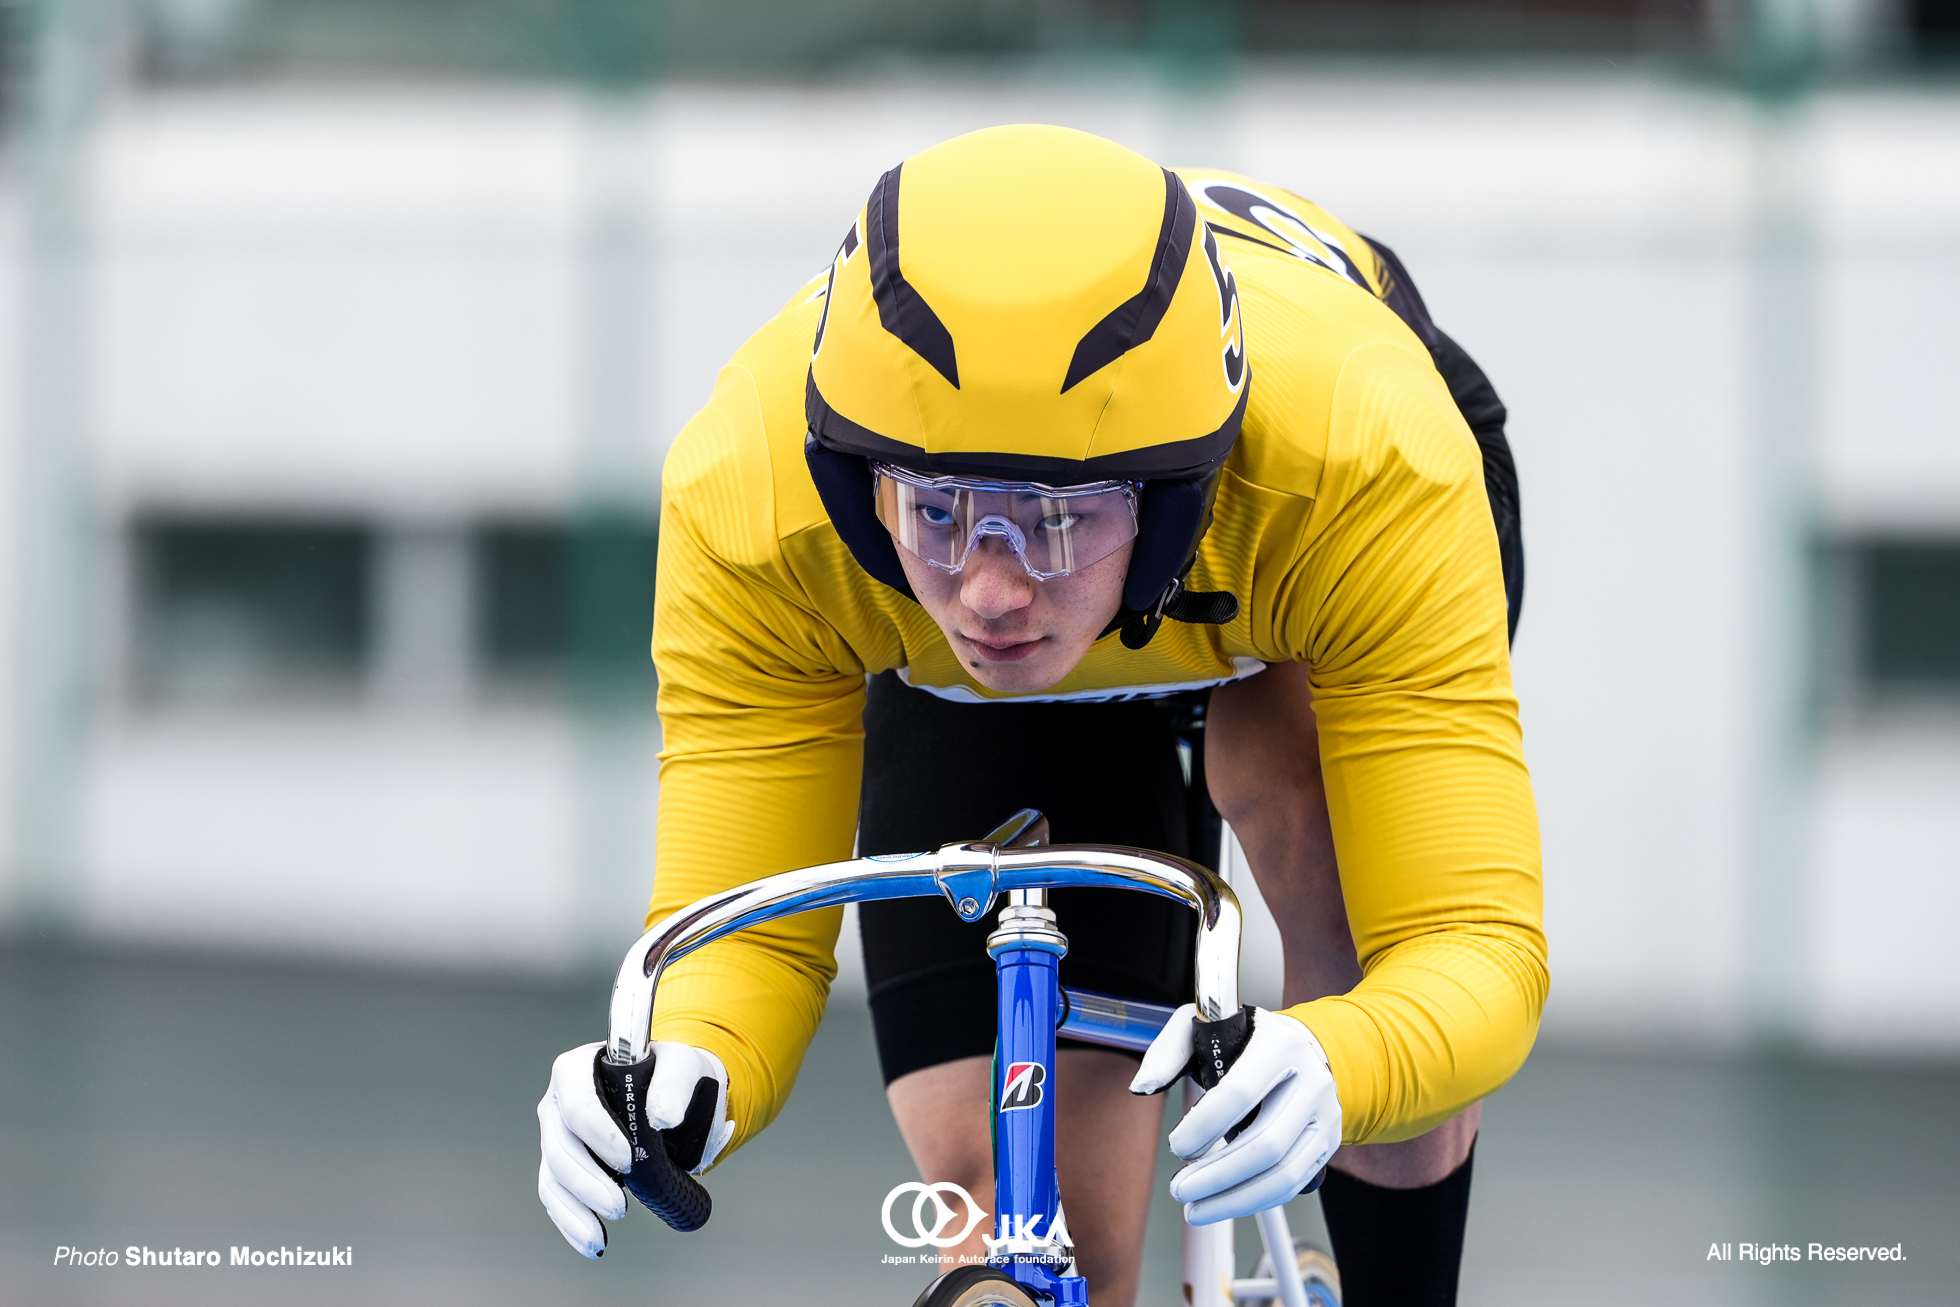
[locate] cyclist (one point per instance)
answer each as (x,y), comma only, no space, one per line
(1062,451)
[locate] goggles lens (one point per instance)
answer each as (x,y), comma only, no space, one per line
(1053,530)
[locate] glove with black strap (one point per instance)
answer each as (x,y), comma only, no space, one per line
(586,1115)
(1268,1122)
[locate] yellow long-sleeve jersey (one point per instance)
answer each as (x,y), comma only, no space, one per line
(1352,524)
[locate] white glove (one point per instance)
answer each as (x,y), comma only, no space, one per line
(1283,1073)
(574,1128)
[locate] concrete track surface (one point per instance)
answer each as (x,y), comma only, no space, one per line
(173,1101)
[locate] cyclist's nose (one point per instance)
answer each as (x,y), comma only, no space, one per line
(994,583)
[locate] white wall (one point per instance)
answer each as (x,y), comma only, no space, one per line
(370,302)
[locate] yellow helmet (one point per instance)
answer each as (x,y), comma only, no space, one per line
(1031,304)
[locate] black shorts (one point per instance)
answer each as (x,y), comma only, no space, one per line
(1104,773)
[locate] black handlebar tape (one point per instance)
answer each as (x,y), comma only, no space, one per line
(657,1179)
(1215,1046)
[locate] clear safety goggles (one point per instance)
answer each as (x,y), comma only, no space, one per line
(1053,530)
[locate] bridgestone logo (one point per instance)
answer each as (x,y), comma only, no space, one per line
(1023,1086)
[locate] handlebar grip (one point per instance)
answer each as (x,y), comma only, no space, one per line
(661,1185)
(1215,1046)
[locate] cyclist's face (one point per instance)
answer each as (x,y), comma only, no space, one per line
(1010,631)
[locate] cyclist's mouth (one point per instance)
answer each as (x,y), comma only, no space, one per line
(1011,651)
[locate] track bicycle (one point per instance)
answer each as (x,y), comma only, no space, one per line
(1030,1263)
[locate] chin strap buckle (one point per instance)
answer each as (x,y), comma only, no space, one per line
(1210,607)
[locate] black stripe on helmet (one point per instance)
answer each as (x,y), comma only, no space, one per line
(1198,456)
(1135,320)
(901,308)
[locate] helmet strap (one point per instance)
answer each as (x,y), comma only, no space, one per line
(1210,607)
(1175,516)
(843,482)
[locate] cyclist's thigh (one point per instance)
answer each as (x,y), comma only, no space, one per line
(936,772)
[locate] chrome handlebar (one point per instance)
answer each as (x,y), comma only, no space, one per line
(970,876)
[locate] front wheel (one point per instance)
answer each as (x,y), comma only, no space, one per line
(976,1286)
(1318,1274)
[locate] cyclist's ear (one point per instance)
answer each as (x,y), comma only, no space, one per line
(1169,1055)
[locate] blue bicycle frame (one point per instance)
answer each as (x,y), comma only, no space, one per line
(1033,1009)
(1027,950)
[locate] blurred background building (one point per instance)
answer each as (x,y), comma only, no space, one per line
(347,338)
(342,341)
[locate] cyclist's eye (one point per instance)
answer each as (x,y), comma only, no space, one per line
(1059,521)
(933,515)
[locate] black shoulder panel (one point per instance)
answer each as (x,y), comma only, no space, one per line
(1485,414)
(1400,294)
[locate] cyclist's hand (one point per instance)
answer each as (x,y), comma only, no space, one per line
(1282,1073)
(577,1133)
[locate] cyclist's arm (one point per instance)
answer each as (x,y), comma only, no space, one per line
(1402,617)
(761,707)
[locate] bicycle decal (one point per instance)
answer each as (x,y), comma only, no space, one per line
(1023,1087)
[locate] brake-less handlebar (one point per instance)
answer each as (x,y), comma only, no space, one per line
(971,876)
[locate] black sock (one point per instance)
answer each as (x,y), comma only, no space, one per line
(1398,1247)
